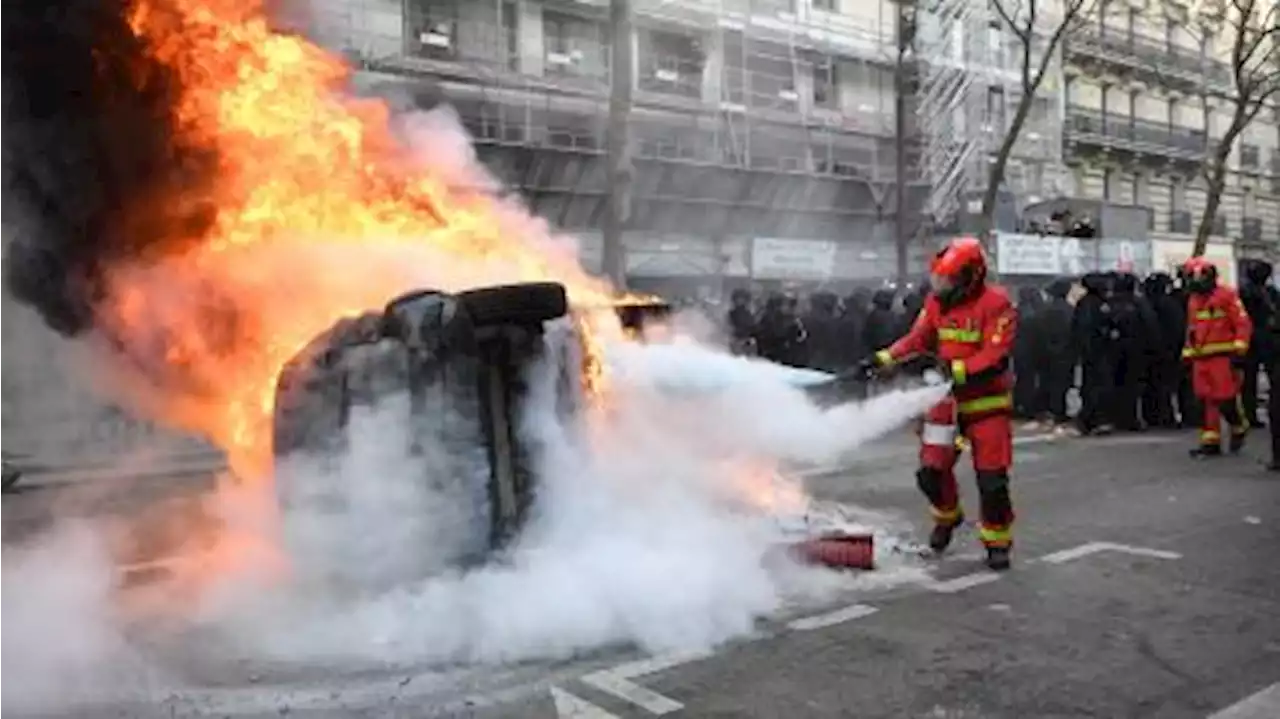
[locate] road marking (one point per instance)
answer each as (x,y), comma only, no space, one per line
(839,616)
(1263,705)
(617,681)
(959,584)
(1084,550)
(571,706)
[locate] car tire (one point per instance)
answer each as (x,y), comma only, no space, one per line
(529,302)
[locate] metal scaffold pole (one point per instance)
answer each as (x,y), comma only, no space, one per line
(618,137)
(902,127)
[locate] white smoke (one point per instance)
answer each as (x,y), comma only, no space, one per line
(630,541)
(62,640)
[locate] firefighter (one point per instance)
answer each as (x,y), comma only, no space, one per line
(1218,332)
(971,326)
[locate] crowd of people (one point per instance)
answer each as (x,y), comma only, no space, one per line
(1112,338)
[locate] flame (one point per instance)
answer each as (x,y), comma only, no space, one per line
(322,211)
(762,486)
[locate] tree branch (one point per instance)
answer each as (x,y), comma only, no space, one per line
(1007,19)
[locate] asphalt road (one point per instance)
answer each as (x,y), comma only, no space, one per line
(1143,586)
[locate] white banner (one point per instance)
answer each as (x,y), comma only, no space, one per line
(779,259)
(1028,254)
(1069,256)
(1169,255)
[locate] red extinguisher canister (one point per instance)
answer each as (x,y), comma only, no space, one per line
(838,551)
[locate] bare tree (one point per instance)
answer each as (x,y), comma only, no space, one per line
(1038,34)
(1253,29)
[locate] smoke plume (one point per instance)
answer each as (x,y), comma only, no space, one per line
(92,167)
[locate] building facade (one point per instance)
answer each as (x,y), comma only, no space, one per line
(1140,112)
(775,119)
(754,120)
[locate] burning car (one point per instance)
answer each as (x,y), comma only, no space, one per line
(463,361)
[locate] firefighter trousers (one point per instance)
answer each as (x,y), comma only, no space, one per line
(990,436)
(1232,410)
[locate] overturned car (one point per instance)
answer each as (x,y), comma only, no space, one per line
(463,362)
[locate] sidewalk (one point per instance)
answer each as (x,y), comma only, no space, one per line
(45,471)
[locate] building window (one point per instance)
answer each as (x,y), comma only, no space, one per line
(771,76)
(995,119)
(1108,184)
(826,87)
(779,7)
(1249,156)
(827,5)
(671,63)
(435,26)
(511,29)
(574,46)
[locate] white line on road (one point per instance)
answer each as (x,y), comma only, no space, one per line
(1084,550)
(839,616)
(1263,705)
(571,706)
(959,584)
(618,681)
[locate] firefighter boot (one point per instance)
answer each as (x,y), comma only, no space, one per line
(1237,439)
(938,486)
(1206,450)
(940,537)
(998,558)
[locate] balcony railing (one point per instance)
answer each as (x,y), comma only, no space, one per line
(1147,55)
(1136,135)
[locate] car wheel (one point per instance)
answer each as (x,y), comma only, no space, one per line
(530,302)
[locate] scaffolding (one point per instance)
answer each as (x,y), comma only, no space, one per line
(752,83)
(969,86)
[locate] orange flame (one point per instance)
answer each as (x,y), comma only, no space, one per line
(322,211)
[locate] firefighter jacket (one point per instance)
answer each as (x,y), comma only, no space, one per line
(975,339)
(1218,330)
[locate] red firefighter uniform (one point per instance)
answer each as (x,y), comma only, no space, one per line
(1218,333)
(970,326)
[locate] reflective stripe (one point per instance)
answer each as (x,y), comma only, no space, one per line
(884,358)
(938,435)
(995,536)
(945,516)
(1209,436)
(1210,315)
(953,334)
(985,404)
(958,371)
(1215,348)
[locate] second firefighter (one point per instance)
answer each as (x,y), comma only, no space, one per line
(1218,332)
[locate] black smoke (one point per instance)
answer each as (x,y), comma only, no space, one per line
(94,172)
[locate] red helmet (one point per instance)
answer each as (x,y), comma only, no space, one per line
(1200,274)
(958,269)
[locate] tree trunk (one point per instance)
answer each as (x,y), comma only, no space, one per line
(619,142)
(996,175)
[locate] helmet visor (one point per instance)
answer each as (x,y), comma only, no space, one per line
(941,284)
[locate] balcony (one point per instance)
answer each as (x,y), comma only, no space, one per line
(1145,58)
(1086,127)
